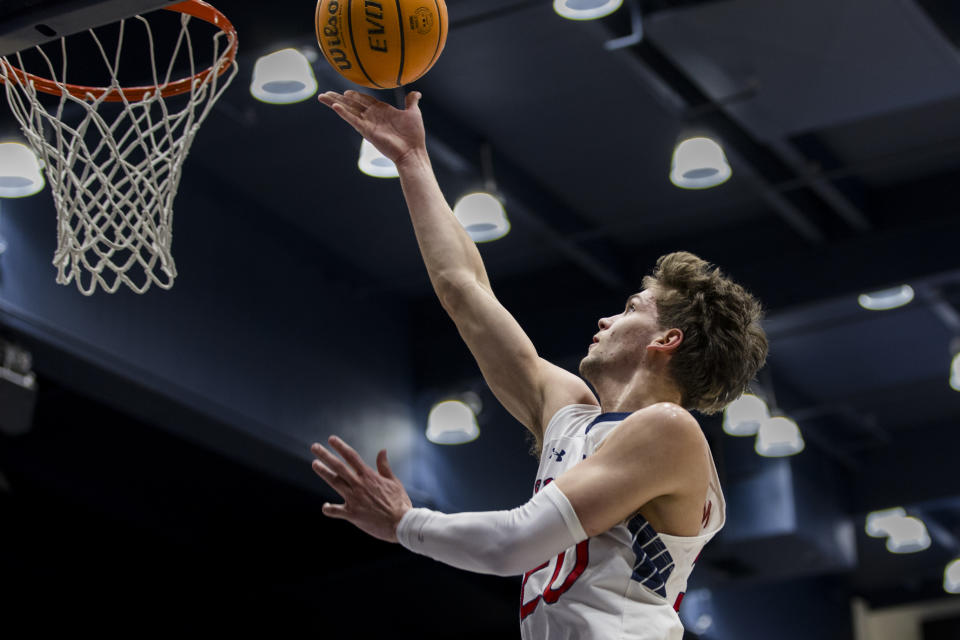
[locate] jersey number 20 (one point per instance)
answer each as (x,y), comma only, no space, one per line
(552,591)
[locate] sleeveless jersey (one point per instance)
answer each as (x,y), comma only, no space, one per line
(624,584)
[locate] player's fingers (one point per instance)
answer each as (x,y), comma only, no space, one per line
(330,98)
(335,510)
(352,457)
(360,98)
(335,481)
(413,99)
(340,103)
(326,97)
(334,463)
(351,118)
(383,465)
(357,102)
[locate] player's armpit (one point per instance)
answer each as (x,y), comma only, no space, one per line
(528,386)
(655,452)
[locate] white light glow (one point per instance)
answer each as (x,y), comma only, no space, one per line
(907,535)
(19,171)
(452,422)
(483,216)
(283,77)
(879,522)
(951,577)
(373,163)
(744,415)
(585,9)
(779,437)
(703,624)
(886,299)
(955,373)
(699,163)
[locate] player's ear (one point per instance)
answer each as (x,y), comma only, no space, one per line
(667,342)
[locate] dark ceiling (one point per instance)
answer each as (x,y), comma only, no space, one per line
(841,120)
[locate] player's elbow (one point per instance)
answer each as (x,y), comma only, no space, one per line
(457,291)
(512,557)
(452,288)
(487,556)
(505,565)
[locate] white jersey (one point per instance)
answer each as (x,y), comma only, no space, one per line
(624,584)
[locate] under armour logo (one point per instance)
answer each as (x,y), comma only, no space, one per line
(559,455)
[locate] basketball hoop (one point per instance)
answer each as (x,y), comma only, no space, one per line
(114,182)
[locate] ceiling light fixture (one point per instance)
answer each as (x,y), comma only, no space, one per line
(452,422)
(907,535)
(373,163)
(955,365)
(3,241)
(19,171)
(699,163)
(585,9)
(744,415)
(878,522)
(779,437)
(887,298)
(481,212)
(283,77)
(955,373)
(951,577)
(483,216)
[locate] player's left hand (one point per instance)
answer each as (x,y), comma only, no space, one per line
(374,500)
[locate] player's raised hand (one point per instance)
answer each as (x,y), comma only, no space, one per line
(374,500)
(394,132)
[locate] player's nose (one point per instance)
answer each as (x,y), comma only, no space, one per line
(604,323)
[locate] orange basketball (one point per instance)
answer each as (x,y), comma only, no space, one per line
(381,43)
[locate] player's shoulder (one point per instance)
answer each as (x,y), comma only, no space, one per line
(664,424)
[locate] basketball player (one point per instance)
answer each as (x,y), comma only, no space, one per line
(627,493)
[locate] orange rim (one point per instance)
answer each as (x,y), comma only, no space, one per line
(195,8)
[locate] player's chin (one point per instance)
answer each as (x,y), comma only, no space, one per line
(587,365)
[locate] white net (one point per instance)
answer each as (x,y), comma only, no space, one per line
(115,172)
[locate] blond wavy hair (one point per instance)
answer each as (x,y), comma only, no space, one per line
(723,343)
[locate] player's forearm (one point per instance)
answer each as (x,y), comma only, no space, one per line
(502,543)
(449,254)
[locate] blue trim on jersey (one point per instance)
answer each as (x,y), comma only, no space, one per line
(654,563)
(614,416)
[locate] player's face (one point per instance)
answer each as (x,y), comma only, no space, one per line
(623,338)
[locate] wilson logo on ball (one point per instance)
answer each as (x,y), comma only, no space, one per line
(328,34)
(381,44)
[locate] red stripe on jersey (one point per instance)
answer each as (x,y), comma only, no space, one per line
(526,608)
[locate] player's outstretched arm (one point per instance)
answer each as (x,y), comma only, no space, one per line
(529,387)
(497,542)
(657,451)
